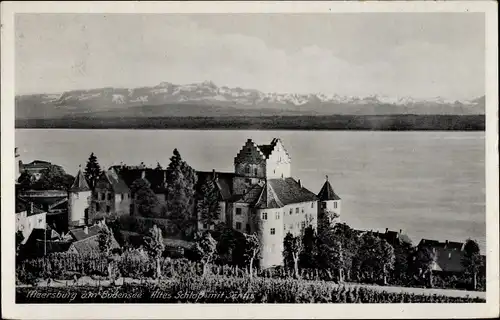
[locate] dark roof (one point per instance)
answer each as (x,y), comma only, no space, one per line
(448,260)
(326,193)
(117,183)
(268,199)
(289,191)
(90,245)
(223,181)
(250,196)
(267,149)
(79,233)
(80,183)
(155,177)
(41,234)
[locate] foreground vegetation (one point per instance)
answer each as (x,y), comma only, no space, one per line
(221,289)
(400,122)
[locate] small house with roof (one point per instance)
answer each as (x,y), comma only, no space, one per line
(79,201)
(29,217)
(447,255)
(36,167)
(85,240)
(329,202)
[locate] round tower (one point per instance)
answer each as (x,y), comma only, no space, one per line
(79,201)
(329,207)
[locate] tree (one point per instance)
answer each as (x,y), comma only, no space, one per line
(145,201)
(206,247)
(309,252)
(251,250)
(181,180)
(92,171)
(155,247)
(350,245)
(292,248)
(158,166)
(208,203)
(423,261)
(331,252)
(53,178)
(327,219)
(376,257)
(26,181)
(19,240)
(471,260)
(105,244)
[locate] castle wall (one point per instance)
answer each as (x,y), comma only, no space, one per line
(297,216)
(78,205)
(271,236)
(241,217)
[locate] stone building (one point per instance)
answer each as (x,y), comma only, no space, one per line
(111,196)
(262,197)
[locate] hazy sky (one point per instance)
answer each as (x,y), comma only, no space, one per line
(395,54)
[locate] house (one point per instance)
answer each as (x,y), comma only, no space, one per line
(36,167)
(448,255)
(156,178)
(85,240)
(29,217)
(53,202)
(262,197)
(111,196)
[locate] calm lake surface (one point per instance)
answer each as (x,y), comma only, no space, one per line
(430,184)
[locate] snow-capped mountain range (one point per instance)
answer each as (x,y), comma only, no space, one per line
(224,100)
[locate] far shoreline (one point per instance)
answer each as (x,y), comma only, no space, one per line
(399,122)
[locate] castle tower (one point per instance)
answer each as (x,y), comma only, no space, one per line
(79,201)
(330,203)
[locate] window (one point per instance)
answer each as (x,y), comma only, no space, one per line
(277,215)
(273,231)
(108,209)
(284,227)
(297,210)
(291,226)
(103,196)
(109,196)
(238,211)
(323,205)
(303,224)
(247,227)
(247,169)
(312,204)
(255,171)
(335,205)
(291,210)
(264,215)
(119,197)
(97,207)
(205,226)
(238,225)
(302,210)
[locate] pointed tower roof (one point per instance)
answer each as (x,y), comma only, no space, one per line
(326,193)
(80,183)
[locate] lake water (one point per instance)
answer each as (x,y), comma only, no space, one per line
(430,184)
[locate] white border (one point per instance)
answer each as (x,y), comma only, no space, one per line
(155,311)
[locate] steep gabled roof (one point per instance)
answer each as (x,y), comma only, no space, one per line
(117,183)
(80,184)
(326,193)
(268,199)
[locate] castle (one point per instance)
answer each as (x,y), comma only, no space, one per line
(260,196)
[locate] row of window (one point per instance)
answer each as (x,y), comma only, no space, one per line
(247,227)
(323,205)
(107,196)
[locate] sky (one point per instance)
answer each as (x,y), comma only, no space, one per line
(421,55)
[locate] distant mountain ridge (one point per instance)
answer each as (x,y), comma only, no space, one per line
(207,99)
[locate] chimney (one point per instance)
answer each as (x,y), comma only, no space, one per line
(86,230)
(386,230)
(213,174)
(300,184)
(400,231)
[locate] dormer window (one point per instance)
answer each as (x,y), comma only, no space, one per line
(247,169)
(255,171)
(335,205)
